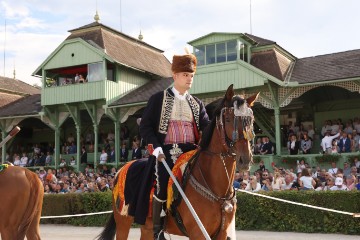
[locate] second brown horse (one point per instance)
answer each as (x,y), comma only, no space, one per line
(21,198)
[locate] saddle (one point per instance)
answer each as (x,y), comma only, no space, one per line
(131,175)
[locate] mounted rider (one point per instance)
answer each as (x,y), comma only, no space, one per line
(171,122)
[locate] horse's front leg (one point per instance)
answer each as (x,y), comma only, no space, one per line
(147,230)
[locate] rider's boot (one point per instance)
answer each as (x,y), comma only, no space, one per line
(158,220)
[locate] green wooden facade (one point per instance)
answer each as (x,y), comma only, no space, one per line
(217,77)
(211,80)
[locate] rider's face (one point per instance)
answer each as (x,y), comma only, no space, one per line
(183,81)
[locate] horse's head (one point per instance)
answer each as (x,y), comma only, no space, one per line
(235,121)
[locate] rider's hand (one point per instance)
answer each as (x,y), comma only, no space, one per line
(161,157)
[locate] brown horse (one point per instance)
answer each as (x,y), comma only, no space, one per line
(225,144)
(21,197)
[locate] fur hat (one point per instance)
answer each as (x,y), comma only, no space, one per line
(184,63)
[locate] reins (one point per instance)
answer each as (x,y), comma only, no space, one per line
(228,200)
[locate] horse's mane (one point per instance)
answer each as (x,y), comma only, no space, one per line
(207,134)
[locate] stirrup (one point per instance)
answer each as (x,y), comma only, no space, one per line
(162,233)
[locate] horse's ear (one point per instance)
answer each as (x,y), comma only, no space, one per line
(229,93)
(252,99)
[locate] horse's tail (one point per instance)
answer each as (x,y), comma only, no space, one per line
(33,202)
(109,230)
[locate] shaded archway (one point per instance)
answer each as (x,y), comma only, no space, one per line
(33,132)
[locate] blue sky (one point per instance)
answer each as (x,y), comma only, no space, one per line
(34,28)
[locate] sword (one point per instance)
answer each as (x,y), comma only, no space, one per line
(11,135)
(197,219)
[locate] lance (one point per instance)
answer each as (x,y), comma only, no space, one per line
(11,135)
(197,219)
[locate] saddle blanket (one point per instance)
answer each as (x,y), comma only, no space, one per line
(121,196)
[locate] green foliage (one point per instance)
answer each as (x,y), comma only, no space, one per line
(351,158)
(49,82)
(111,165)
(33,169)
(256,213)
(292,160)
(256,159)
(77,203)
(328,158)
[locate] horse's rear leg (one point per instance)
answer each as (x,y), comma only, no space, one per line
(123,225)
(147,230)
(11,234)
(33,232)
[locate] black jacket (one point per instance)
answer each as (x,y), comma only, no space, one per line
(155,118)
(137,154)
(124,155)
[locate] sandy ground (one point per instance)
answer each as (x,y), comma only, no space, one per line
(61,232)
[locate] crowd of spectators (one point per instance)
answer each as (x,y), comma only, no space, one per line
(335,136)
(65,180)
(32,155)
(300,179)
(29,156)
(340,138)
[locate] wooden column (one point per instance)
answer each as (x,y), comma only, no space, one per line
(96,145)
(3,150)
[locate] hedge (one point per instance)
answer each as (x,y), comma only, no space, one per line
(257,213)
(253,213)
(77,203)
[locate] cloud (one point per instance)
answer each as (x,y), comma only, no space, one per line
(303,27)
(31,23)
(14,10)
(27,51)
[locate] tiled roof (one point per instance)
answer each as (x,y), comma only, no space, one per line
(125,49)
(260,41)
(5,99)
(95,36)
(17,86)
(327,67)
(143,93)
(271,62)
(28,105)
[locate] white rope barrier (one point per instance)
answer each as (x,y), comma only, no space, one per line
(355,215)
(300,204)
(76,215)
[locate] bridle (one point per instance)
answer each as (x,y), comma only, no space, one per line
(243,113)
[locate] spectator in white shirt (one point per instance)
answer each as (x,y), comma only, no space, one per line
(24,160)
(16,160)
(339,185)
(63,163)
(326,142)
(326,128)
(306,181)
(289,180)
(103,157)
(253,185)
(72,161)
(333,170)
(311,132)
